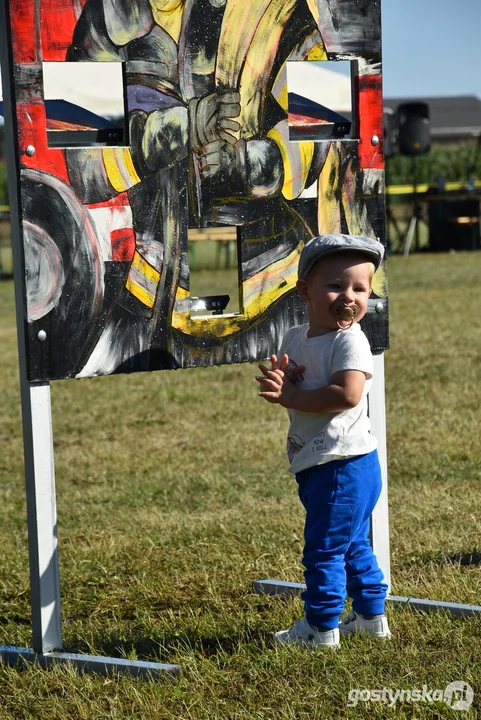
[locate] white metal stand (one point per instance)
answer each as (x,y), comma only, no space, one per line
(43,551)
(380,516)
(39,456)
(292,589)
(41,516)
(410,235)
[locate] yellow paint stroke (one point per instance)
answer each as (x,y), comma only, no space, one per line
(181,293)
(355,210)
(140,293)
(168,16)
(379,281)
(329,215)
(239,25)
(318,52)
(203,65)
(120,168)
(145,291)
(358,223)
(296,160)
(258,292)
(313,7)
(258,65)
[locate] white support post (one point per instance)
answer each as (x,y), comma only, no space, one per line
(38,453)
(380,516)
(36,410)
(42,516)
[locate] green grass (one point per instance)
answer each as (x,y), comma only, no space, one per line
(6,265)
(173,496)
(3,183)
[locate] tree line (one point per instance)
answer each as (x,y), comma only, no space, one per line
(458,163)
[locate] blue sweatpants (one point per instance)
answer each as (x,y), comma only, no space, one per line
(339,498)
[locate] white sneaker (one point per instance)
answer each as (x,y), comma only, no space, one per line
(356,623)
(301,633)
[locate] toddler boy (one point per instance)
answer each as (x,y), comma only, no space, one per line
(322,376)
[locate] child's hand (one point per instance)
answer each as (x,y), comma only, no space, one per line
(277,384)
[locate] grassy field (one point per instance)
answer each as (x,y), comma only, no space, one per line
(173,496)
(5,249)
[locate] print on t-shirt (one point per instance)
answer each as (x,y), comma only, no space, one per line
(290,367)
(294,444)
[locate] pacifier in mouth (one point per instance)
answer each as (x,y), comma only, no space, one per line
(346,314)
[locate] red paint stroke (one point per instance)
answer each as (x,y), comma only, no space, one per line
(121,200)
(22,23)
(122,240)
(32,130)
(58,20)
(302,120)
(49,42)
(368,89)
(123,244)
(63,125)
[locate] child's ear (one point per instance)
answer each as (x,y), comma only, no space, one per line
(301,286)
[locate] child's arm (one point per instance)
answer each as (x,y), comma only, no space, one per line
(343,393)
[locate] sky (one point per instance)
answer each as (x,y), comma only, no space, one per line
(431,48)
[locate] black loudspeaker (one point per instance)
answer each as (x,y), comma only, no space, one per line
(390,132)
(413,122)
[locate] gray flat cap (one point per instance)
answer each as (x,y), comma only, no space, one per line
(323,245)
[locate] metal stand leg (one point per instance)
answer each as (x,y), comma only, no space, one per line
(282,588)
(19,657)
(380,516)
(43,553)
(410,235)
(42,518)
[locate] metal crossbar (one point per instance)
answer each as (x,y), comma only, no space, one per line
(19,656)
(278,588)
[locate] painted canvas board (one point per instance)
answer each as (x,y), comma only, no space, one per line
(106,207)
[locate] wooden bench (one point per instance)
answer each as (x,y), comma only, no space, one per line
(226,237)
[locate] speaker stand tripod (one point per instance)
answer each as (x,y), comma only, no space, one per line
(413,229)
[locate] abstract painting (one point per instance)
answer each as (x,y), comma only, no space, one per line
(105,211)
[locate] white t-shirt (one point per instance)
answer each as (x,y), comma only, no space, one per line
(317,438)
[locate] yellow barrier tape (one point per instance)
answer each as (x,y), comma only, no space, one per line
(424,187)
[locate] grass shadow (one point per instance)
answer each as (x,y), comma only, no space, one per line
(471,558)
(162,648)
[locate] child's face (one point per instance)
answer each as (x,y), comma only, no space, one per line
(336,282)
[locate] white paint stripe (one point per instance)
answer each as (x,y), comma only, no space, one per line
(106,220)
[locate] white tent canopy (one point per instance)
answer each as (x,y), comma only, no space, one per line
(98,86)
(321,82)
